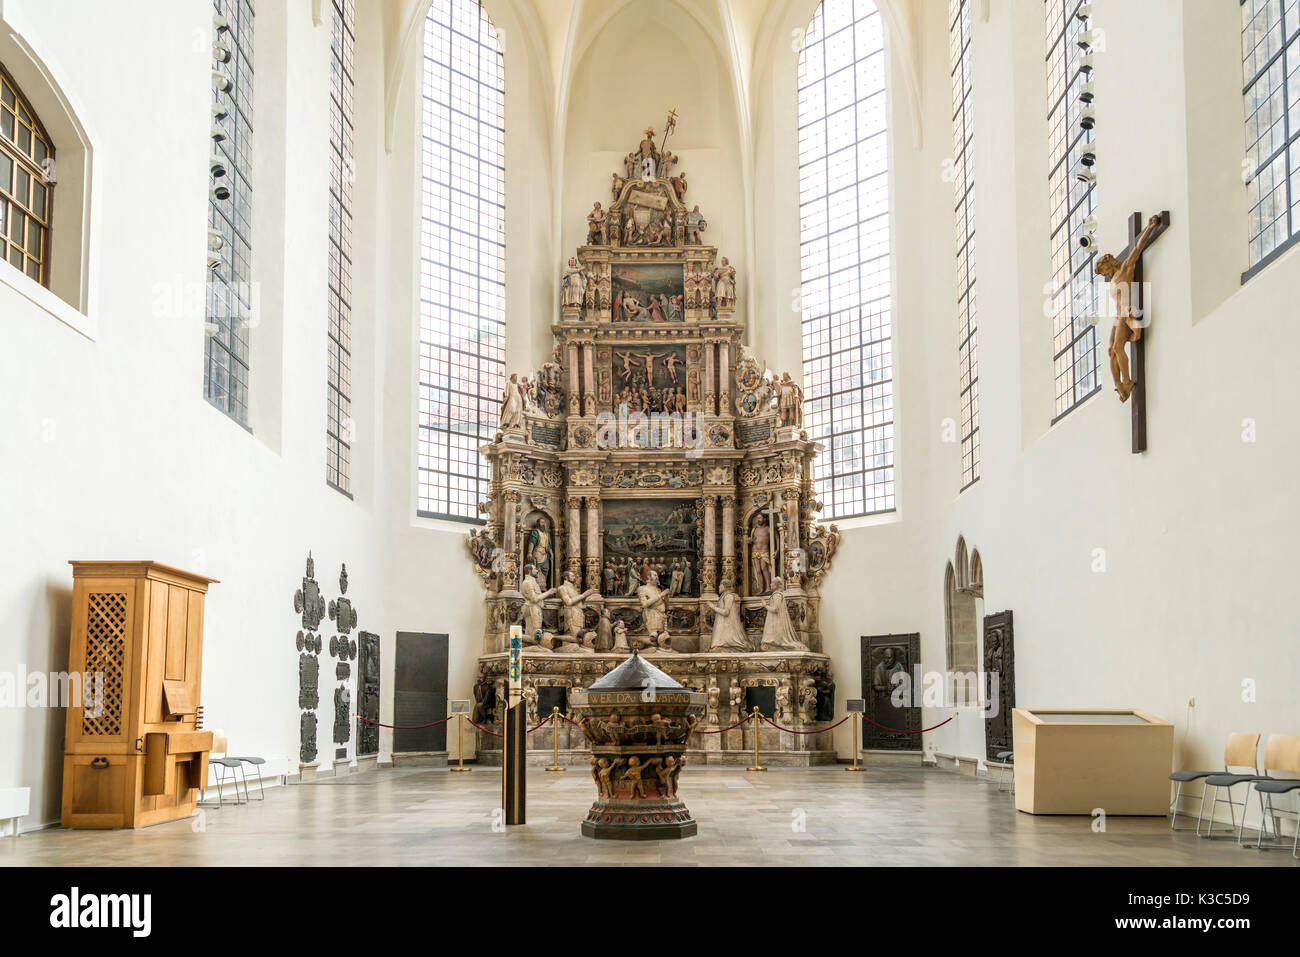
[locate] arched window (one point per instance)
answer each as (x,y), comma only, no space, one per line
(462,275)
(338,427)
(26,185)
(1270,58)
(1072,199)
(230,303)
(963,161)
(844,257)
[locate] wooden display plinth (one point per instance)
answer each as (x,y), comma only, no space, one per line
(1078,761)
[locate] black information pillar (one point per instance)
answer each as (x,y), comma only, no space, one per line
(515,748)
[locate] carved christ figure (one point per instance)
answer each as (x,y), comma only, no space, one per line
(649,359)
(760,555)
(1128,327)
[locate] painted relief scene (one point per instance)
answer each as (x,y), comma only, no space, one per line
(649,539)
(648,292)
(652,378)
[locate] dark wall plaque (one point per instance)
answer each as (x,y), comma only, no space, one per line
(420,690)
(999,661)
(342,715)
(764,696)
(547,435)
(752,433)
(551,696)
(308,681)
(884,659)
(307,735)
(367,692)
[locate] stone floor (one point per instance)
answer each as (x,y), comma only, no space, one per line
(421,816)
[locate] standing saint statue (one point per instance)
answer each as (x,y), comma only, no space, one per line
(724,285)
(597,231)
(1128,327)
(778,630)
(790,402)
(539,548)
(728,630)
(512,406)
(573,285)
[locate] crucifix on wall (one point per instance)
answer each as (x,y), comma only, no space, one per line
(1123,273)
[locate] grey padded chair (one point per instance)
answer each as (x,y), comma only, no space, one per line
(1282,754)
(1238,752)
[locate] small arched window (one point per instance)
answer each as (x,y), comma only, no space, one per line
(26,184)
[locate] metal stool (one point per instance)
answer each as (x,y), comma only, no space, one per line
(1008,759)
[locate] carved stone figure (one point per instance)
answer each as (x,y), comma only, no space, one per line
(724,285)
(572,612)
(790,402)
(695,225)
(540,544)
(778,630)
(760,555)
(728,631)
(604,631)
(512,406)
(1128,327)
(714,693)
(807,700)
(620,635)
(679,187)
(654,605)
(736,696)
(617,186)
(530,702)
(882,676)
(533,598)
(597,232)
(573,286)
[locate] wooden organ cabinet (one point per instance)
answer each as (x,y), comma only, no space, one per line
(132,755)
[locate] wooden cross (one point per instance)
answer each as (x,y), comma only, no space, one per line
(1137,350)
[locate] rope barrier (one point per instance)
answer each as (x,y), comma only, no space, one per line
(404,727)
(813,731)
(901,731)
(483,729)
(720,730)
(546,720)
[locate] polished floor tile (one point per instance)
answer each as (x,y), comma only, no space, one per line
(892,815)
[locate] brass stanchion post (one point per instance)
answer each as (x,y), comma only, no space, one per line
(460,743)
(555,739)
(757,766)
(854,767)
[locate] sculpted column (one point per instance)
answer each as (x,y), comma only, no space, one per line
(510,542)
(573,523)
(589,380)
(729,540)
(709,569)
(793,565)
(724,378)
(710,396)
(593,541)
(574,393)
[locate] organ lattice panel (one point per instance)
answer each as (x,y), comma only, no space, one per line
(106,624)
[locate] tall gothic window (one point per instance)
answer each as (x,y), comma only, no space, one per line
(230,294)
(462,275)
(963,160)
(1270,57)
(844,257)
(26,185)
(1072,199)
(338,428)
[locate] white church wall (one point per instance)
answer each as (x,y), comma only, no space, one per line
(1191,602)
(113,453)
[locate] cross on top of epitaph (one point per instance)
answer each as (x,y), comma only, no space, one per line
(1137,351)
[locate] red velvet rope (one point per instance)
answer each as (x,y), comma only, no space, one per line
(404,727)
(814,731)
(901,731)
(728,728)
(483,729)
